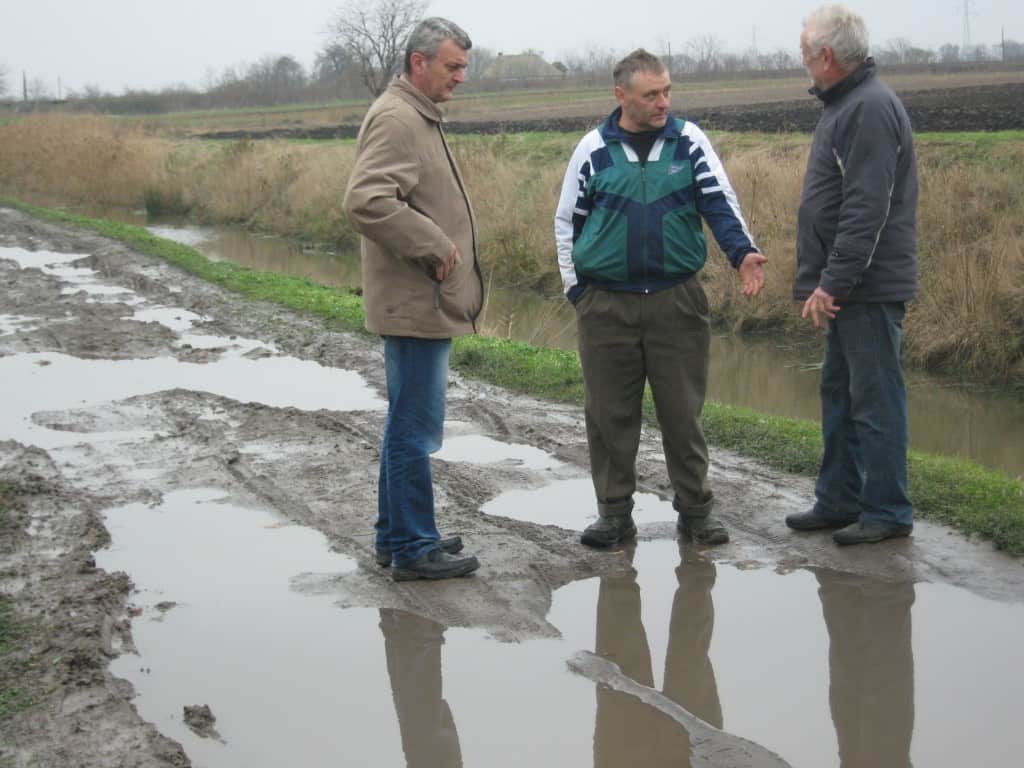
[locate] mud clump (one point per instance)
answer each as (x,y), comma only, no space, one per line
(200,718)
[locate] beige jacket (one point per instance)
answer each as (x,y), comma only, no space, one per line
(407,199)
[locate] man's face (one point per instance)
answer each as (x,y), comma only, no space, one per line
(815,62)
(438,76)
(644,101)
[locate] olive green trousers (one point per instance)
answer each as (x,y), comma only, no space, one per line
(625,341)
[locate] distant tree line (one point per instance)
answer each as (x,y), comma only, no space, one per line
(365,47)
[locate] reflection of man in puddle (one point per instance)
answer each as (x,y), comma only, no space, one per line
(871,666)
(628,731)
(412,645)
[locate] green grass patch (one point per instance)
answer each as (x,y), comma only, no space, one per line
(955,491)
(977,137)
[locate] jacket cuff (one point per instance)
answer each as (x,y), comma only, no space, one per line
(574,293)
(740,254)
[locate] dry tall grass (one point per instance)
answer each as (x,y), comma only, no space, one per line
(969,317)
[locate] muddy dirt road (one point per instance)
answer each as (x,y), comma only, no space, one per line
(126,381)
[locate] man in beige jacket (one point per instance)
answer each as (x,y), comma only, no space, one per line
(421,286)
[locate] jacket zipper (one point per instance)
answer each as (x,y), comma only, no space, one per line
(643,189)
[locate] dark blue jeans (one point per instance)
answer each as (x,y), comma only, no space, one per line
(417,380)
(864,418)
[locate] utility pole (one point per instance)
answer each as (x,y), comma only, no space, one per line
(24,86)
(967,28)
(1002,34)
(58,89)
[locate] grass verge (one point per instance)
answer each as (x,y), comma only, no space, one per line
(960,493)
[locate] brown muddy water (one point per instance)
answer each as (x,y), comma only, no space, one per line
(821,668)
(768,376)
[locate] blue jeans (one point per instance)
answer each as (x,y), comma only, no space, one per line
(417,380)
(864,418)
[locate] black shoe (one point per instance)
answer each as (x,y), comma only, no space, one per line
(436,564)
(812,520)
(451,544)
(609,531)
(703,530)
(869,533)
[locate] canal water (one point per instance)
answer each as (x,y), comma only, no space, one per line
(771,375)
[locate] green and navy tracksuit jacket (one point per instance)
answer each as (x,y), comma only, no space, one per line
(631,226)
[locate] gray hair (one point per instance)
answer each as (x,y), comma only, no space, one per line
(428,35)
(637,61)
(842,30)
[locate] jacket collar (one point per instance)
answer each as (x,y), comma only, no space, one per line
(847,84)
(416,98)
(611,131)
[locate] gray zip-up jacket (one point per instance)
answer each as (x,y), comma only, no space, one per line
(857,226)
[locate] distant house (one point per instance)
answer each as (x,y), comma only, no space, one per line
(519,66)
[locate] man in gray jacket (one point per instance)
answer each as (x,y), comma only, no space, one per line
(421,287)
(856,268)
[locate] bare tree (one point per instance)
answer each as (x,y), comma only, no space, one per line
(479,60)
(375,35)
(37,89)
(332,62)
(706,51)
(949,53)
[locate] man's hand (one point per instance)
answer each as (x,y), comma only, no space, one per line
(448,265)
(752,273)
(819,301)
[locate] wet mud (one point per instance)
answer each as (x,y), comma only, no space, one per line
(111,437)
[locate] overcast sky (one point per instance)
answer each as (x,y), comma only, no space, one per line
(118,44)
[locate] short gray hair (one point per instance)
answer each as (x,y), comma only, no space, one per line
(842,30)
(428,35)
(636,61)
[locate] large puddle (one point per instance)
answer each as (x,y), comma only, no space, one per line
(821,668)
(985,426)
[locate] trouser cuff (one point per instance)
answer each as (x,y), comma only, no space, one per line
(692,511)
(615,507)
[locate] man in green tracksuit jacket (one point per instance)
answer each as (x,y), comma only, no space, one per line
(630,242)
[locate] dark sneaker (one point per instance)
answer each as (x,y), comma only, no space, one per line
(702,530)
(436,564)
(450,544)
(811,520)
(869,533)
(609,531)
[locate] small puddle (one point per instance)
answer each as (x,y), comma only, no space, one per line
(570,504)
(805,664)
(39,382)
(478,449)
(10,324)
(76,279)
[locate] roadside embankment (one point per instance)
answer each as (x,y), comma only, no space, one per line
(962,494)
